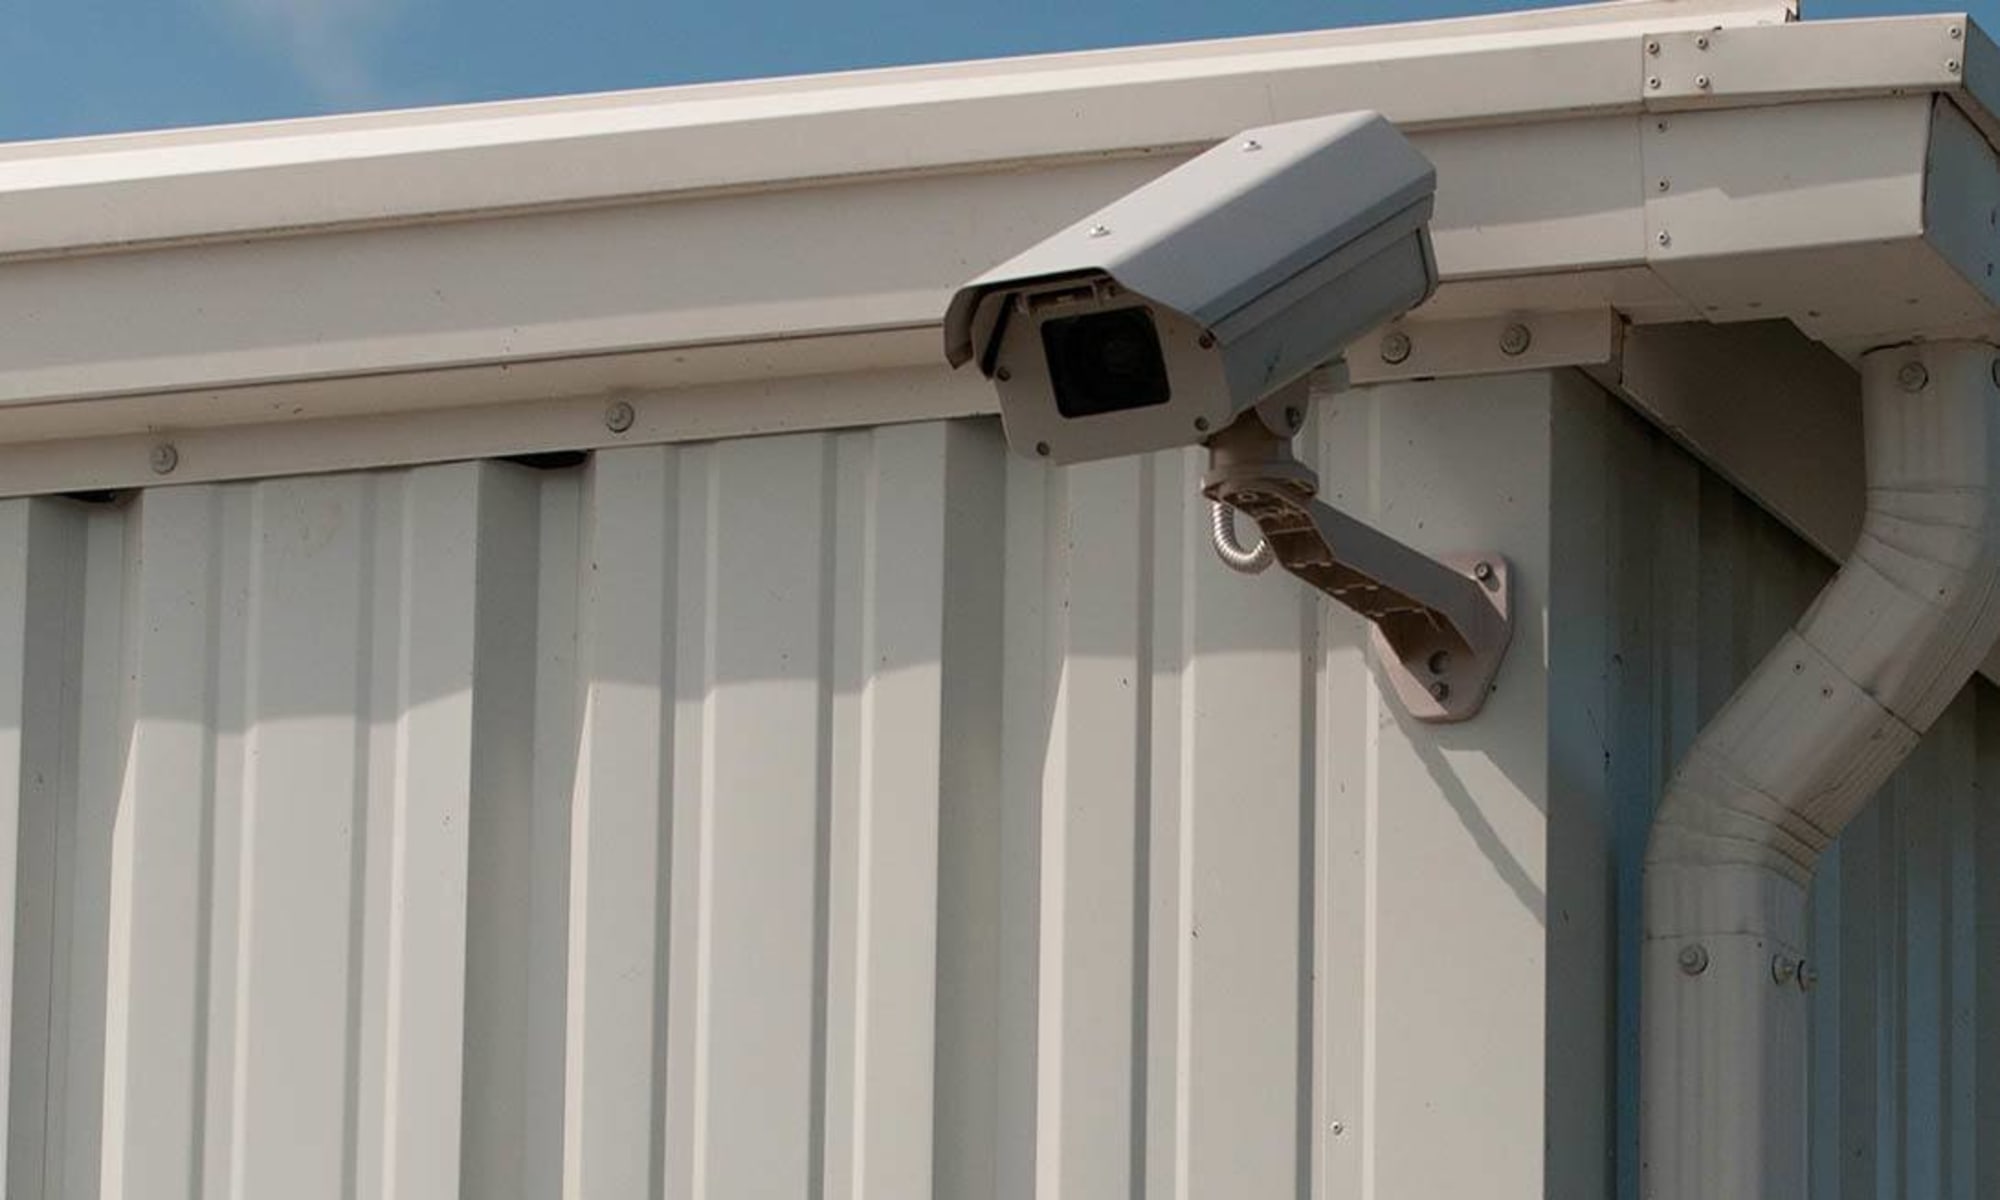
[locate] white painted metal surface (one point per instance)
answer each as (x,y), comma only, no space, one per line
(404,265)
(868,811)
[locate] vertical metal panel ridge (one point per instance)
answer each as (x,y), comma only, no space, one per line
(42,546)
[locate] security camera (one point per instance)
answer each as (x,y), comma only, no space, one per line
(1156,321)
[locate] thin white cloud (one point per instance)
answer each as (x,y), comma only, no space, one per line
(325,40)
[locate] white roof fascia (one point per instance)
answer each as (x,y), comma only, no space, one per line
(375,273)
(284,177)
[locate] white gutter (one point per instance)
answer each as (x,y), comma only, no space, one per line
(1788,762)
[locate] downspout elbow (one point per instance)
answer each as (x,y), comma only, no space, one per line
(1796,752)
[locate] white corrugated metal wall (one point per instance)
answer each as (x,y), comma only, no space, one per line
(1697,584)
(875,813)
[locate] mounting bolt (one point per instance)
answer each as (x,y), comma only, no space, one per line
(1912,377)
(1694,959)
(1098,231)
(1784,969)
(1808,977)
(619,416)
(1701,81)
(164,458)
(1483,572)
(1395,347)
(1514,340)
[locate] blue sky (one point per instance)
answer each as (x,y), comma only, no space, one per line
(93,66)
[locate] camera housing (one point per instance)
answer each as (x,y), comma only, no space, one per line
(1157,320)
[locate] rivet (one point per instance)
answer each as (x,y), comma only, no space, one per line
(1042,448)
(619,417)
(1201,424)
(1701,81)
(1652,47)
(1440,690)
(1784,969)
(1694,958)
(1663,238)
(1483,572)
(1098,231)
(1003,374)
(1252,144)
(1293,417)
(1808,977)
(1338,1128)
(1956,33)
(1665,184)
(164,458)
(1206,341)
(1395,347)
(1912,377)
(1514,340)
(1653,81)
(1701,43)
(1951,66)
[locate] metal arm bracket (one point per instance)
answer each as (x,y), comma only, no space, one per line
(1441,625)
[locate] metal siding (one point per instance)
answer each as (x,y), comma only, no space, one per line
(876,813)
(1695,585)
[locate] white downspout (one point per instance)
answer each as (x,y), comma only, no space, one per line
(1790,759)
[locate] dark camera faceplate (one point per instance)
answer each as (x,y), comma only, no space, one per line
(1105,362)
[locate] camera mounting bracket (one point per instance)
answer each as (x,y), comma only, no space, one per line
(1441,625)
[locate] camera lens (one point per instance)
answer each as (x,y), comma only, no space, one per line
(1105,362)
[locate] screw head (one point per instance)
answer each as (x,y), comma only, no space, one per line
(1250,144)
(1338,1127)
(1515,340)
(1042,448)
(1003,374)
(1395,347)
(1784,969)
(1294,417)
(1201,424)
(1206,341)
(1951,65)
(1701,43)
(619,416)
(1653,81)
(1098,231)
(1440,690)
(1652,47)
(1665,185)
(1693,958)
(1664,238)
(1701,81)
(164,458)
(1956,33)
(1483,572)
(1912,377)
(1808,977)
